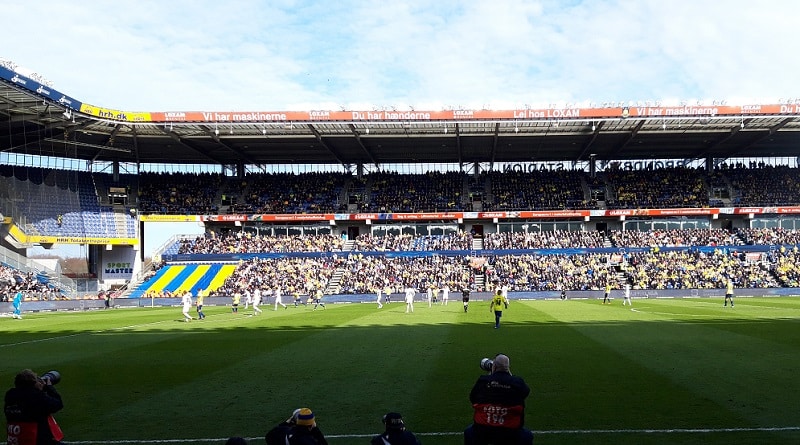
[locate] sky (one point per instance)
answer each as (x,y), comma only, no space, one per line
(292,55)
(286,55)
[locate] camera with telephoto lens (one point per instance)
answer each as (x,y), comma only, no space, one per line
(486,364)
(50,377)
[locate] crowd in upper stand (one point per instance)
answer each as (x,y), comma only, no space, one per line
(664,188)
(287,193)
(179,193)
(432,191)
(451,191)
(537,190)
(765,185)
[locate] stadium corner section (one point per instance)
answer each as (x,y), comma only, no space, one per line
(185,277)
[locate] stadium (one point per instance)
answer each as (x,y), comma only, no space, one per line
(672,201)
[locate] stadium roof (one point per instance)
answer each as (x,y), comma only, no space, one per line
(36,120)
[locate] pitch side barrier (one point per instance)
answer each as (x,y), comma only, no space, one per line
(235,257)
(455,297)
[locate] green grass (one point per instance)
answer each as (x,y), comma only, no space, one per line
(683,371)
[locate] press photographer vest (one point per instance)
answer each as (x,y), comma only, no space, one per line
(499,416)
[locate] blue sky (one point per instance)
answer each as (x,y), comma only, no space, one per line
(286,55)
(429,55)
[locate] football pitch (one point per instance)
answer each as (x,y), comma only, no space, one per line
(667,371)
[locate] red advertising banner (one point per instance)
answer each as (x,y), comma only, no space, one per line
(459,115)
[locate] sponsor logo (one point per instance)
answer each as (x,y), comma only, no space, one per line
(175,115)
(64,100)
(20,80)
(462,113)
(43,91)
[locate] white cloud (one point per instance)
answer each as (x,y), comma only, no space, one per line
(295,55)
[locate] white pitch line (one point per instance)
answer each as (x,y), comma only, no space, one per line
(458,433)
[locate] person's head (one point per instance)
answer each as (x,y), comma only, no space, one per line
(305,417)
(501,364)
(26,379)
(236,441)
(393,421)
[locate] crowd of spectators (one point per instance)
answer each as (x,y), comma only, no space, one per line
(291,193)
(405,242)
(13,280)
(765,185)
(552,272)
(557,239)
(247,242)
(179,193)
(787,267)
(537,190)
(429,192)
(367,274)
(769,236)
(693,269)
(673,238)
(659,188)
(289,276)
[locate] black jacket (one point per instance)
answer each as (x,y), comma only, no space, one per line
(28,404)
(303,435)
(500,388)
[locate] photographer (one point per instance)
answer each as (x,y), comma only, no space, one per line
(299,429)
(395,433)
(29,407)
(498,401)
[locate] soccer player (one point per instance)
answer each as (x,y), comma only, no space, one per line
(445,294)
(627,298)
(186,299)
(248,299)
(497,305)
(410,292)
(378,299)
(237,297)
(606,299)
(278,299)
(257,301)
(387,292)
(17,304)
(429,295)
(201,294)
(465,297)
(318,299)
(729,293)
